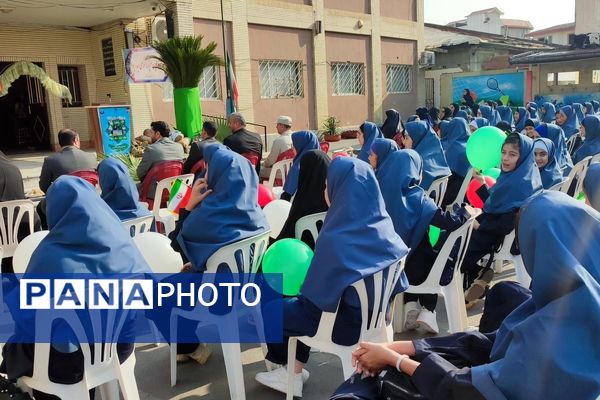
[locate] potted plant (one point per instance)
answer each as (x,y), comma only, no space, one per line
(331,129)
(183,60)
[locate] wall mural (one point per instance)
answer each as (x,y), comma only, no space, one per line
(507,87)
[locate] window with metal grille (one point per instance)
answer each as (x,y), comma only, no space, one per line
(69,77)
(280,79)
(348,78)
(398,78)
(209,85)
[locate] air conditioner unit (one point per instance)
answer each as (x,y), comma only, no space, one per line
(159,29)
(427,59)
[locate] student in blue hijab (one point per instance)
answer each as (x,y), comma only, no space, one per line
(519,179)
(595,105)
(477,123)
(591,186)
(85,237)
(545,159)
(352,190)
(443,133)
(578,108)
(490,114)
(567,119)
(392,124)
(533,109)
(520,116)
(462,114)
(412,212)
(367,133)
(556,134)
(119,191)
(381,149)
(455,149)
(590,129)
(542,349)
(589,108)
(548,112)
(302,141)
(421,138)
(412,118)
(506,114)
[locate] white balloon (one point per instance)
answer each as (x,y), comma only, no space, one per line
(158,253)
(25,249)
(277,212)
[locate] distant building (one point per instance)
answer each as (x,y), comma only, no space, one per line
(490,21)
(558,34)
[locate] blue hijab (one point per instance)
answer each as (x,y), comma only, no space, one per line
(412,118)
(118,190)
(462,114)
(514,187)
(596,105)
(227,215)
(370,133)
(85,234)
(481,122)
(532,108)
(591,185)
(551,173)
(490,114)
(591,144)
(303,141)
(506,114)
(407,203)
(455,147)
(547,348)
(357,239)
(383,148)
(571,125)
(427,144)
(589,108)
(549,113)
(556,134)
(444,124)
(523,116)
(392,124)
(578,108)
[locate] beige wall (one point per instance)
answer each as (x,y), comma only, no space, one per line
(291,44)
(358,6)
(396,51)
(585,68)
(305,2)
(351,109)
(400,9)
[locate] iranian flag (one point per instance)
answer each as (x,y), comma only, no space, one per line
(232,89)
(179,196)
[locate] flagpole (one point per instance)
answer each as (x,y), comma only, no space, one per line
(225,57)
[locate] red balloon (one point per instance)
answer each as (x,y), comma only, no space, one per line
(265,195)
(472,196)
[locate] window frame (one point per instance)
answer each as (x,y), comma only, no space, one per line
(360,85)
(74,85)
(297,89)
(409,69)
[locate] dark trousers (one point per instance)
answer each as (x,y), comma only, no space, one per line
(454,183)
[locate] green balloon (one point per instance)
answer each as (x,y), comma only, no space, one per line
(434,234)
(290,257)
(484,147)
(492,172)
(581,196)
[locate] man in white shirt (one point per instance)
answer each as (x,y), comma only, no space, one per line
(281,144)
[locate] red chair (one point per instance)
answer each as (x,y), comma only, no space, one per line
(198,167)
(88,175)
(252,157)
(324,146)
(158,172)
(287,155)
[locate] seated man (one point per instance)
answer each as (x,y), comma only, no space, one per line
(241,140)
(209,131)
(281,144)
(161,149)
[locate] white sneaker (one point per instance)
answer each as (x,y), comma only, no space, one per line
(277,380)
(428,321)
(411,312)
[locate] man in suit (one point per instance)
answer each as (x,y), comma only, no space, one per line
(209,131)
(241,140)
(161,149)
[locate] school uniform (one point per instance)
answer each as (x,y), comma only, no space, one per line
(370,133)
(557,136)
(550,173)
(591,144)
(454,143)
(303,142)
(591,185)
(427,144)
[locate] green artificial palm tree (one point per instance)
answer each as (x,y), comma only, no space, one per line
(183,60)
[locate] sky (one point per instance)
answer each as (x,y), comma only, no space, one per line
(541,13)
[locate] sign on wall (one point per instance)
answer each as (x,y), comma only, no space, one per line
(140,67)
(510,88)
(115,125)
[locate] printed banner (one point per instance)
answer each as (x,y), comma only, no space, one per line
(508,87)
(140,67)
(115,124)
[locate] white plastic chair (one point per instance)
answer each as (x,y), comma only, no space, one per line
(103,371)
(279,171)
(571,143)
(251,251)
(460,197)
(454,297)
(138,225)
(376,329)
(309,223)
(504,254)
(163,215)
(577,173)
(11,214)
(558,186)
(438,188)
(25,249)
